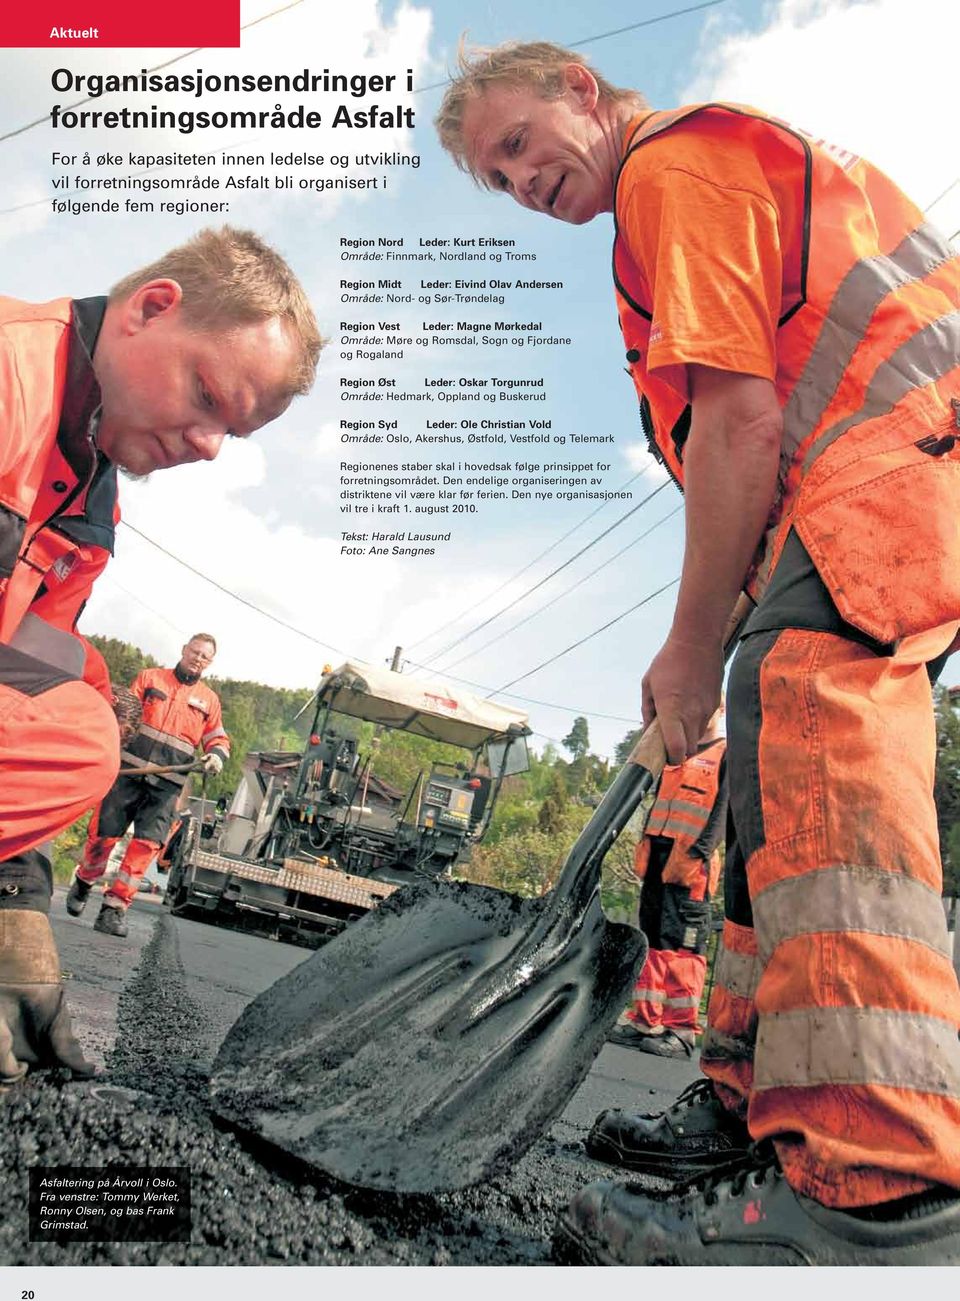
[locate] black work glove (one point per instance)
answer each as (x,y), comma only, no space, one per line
(35,1028)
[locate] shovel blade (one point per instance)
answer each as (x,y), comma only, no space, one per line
(361,1063)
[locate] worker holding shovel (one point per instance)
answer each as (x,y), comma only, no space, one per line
(791,325)
(180,715)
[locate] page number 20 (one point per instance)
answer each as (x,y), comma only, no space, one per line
(26,1296)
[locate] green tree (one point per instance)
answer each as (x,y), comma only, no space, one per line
(124,661)
(577,740)
(553,810)
(625,747)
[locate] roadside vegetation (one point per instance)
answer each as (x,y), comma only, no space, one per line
(540,813)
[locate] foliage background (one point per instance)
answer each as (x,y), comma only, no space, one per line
(540,813)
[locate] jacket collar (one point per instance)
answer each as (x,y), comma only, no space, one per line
(81,394)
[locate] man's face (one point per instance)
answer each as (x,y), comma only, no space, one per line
(196,657)
(549,154)
(172,393)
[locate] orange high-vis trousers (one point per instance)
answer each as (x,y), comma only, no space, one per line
(833,1022)
(668,991)
(137,857)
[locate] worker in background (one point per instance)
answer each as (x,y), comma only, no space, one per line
(181,714)
(791,323)
(678,863)
(212,340)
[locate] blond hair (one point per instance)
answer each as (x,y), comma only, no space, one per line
(230,278)
(535,65)
(205,636)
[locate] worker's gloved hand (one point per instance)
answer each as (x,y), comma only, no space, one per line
(212,764)
(35,1028)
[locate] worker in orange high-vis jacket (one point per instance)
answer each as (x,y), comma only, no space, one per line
(181,714)
(214,338)
(678,862)
(791,324)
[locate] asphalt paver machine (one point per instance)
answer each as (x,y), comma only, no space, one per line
(313,840)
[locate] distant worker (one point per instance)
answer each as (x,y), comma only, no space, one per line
(180,715)
(212,340)
(678,861)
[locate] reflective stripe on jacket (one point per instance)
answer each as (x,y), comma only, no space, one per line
(680,812)
(178,717)
(58,496)
(868,372)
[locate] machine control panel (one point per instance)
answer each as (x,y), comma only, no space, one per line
(446,803)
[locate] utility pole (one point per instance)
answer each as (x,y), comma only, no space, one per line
(395,662)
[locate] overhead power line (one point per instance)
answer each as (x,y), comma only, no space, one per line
(236,595)
(566,591)
(520,572)
(181,632)
(583,640)
(569,709)
(553,573)
(943,194)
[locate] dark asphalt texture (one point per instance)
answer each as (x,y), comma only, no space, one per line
(249,1207)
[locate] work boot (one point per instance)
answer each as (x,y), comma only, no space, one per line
(690,1138)
(111,921)
(77,895)
(747,1214)
(668,1044)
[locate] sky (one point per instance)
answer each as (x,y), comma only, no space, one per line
(263,521)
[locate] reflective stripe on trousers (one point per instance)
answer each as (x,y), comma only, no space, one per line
(838,964)
(668,990)
(137,857)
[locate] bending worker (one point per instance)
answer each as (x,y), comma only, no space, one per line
(212,340)
(678,863)
(791,323)
(180,714)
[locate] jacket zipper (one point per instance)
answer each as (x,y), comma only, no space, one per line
(646,424)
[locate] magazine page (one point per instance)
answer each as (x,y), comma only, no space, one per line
(326,476)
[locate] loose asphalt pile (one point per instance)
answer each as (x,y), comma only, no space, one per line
(149,1109)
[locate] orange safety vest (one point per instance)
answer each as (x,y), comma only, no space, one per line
(868,376)
(177,718)
(685,800)
(58,497)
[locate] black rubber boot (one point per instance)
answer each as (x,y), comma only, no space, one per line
(111,921)
(692,1137)
(748,1214)
(77,896)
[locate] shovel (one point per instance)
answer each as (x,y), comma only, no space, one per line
(427,1046)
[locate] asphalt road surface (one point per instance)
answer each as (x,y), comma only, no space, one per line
(151,1010)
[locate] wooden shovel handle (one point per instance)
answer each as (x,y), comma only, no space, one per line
(649,751)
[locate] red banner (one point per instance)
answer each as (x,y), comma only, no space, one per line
(120,24)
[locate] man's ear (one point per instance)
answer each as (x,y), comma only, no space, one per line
(149,301)
(583,84)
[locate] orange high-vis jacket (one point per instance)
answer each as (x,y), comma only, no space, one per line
(58,496)
(178,717)
(685,800)
(744,245)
